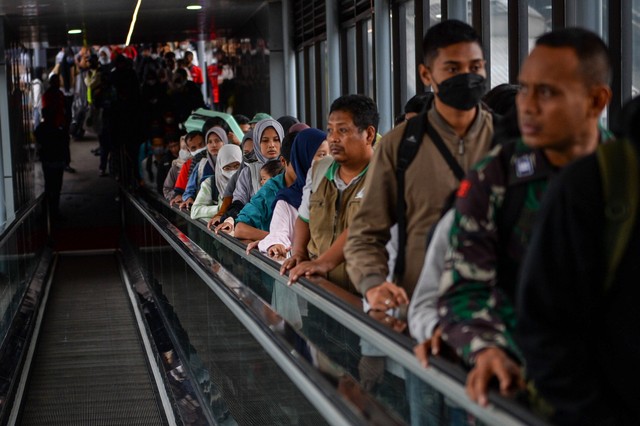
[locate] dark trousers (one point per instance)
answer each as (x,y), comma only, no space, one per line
(53,173)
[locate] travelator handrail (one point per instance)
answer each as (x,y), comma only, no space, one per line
(21,216)
(249,310)
(444,375)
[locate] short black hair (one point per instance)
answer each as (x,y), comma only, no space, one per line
(213,122)
(192,134)
(362,108)
(241,119)
(273,168)
(502,98)
(445,34)
(419,102)
(286,121)
(592,52)
(287,144)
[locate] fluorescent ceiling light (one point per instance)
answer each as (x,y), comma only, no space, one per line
(74,31)
(133,22)
(194,7)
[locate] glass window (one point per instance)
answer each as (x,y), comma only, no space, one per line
(369,88)
(435,12)
(407,56)
(301,85)
(352,60)
(460,10)
(311,51)
(539,19)
(324,86)
(499,42)
(635,77)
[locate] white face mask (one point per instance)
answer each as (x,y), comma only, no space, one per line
(228,174)
(184,154)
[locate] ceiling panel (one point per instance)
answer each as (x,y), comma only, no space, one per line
(108,21)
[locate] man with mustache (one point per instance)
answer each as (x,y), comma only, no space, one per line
(327,210)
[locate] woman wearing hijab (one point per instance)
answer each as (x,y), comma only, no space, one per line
(252,223)
(209,197)
(268,134)
(215,139)
(308,146)
(248,156)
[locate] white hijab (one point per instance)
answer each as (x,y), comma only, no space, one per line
(228,154)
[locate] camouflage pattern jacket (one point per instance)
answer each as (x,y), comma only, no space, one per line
(488,241)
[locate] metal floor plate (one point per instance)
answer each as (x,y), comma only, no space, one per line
(89,366)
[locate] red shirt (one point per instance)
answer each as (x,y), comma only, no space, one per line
(183,176)
(196,74)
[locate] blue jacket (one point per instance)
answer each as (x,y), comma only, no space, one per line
(194,182)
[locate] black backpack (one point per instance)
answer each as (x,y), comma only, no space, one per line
(411,139)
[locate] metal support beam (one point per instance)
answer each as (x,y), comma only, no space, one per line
(289,56)
(382,43)
(621,51)
(202,61)
(457,9)
(421,9)
(334,81)
(400,63)
(7,206)
(277,67)
(589,14)
(558,14)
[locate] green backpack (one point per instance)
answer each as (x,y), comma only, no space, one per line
(621,185)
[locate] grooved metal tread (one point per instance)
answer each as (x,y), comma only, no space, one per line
(89,367)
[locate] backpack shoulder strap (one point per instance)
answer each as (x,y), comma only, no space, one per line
(318,171)
(444,151)
(411,140)
(620,185)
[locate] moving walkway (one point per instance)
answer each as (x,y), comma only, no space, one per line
(180,326)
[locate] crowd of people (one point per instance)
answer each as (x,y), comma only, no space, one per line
(482,220)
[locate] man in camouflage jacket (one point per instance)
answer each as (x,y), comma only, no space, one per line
(563,90)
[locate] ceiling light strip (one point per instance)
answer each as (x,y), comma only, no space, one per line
(133,22)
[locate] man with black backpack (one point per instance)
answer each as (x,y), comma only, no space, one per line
(577,301)
(418,164)
(563,90)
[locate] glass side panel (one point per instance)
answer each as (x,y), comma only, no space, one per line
(403,394)
(19,255)
(239,380)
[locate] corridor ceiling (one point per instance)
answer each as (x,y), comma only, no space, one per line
(107,21)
